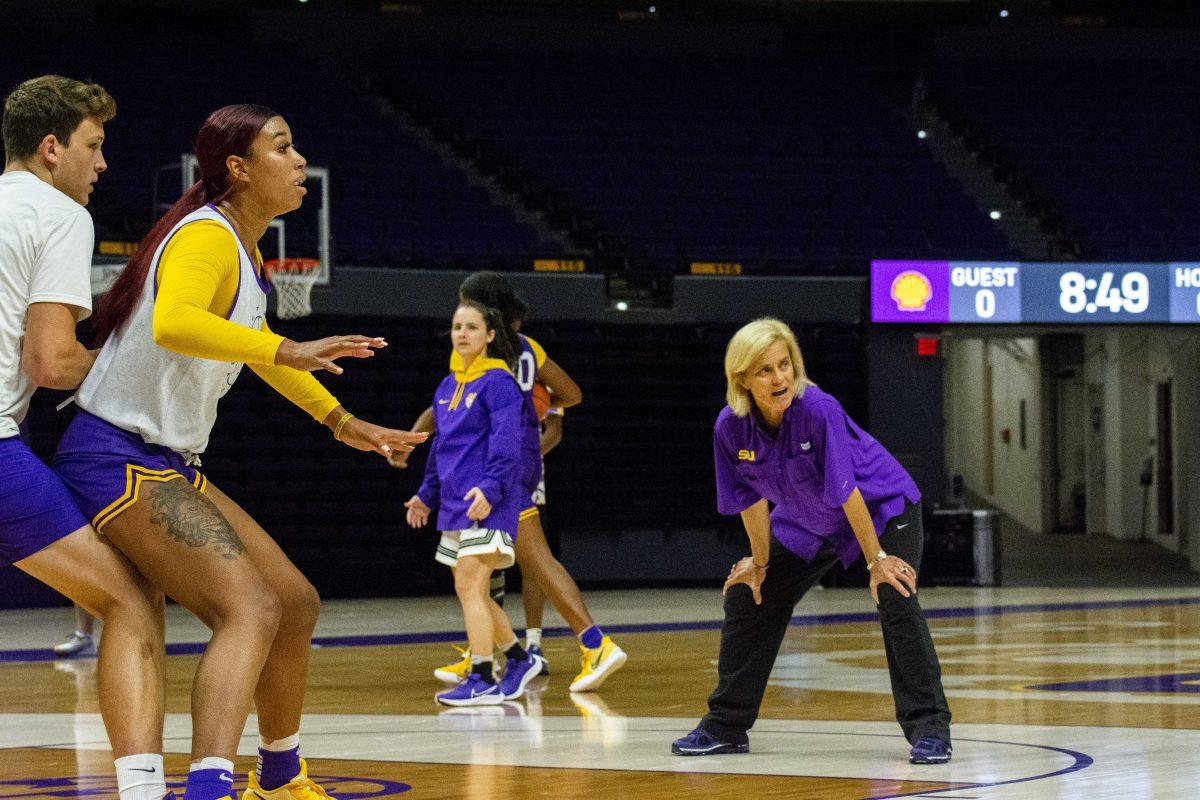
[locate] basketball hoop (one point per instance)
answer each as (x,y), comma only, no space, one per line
(293,279)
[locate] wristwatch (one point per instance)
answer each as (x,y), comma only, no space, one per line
(880,556)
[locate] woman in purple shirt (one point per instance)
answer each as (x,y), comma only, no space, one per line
(837,494)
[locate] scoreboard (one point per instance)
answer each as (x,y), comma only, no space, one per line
(991,292)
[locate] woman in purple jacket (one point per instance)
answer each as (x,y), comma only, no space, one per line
(473,478)
(837,494)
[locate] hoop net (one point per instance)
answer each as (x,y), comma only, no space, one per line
(293,279)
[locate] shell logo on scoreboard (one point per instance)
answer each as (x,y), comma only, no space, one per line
(912,291)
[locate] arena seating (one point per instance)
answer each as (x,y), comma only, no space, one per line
(784,166)
(395,202)
(1109,144)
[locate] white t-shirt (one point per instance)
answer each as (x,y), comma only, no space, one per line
(46,241)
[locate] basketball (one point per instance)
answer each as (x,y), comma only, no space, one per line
(541,400)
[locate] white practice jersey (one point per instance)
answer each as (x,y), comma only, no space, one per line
(168,398)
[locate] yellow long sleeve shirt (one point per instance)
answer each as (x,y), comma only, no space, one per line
(197,285)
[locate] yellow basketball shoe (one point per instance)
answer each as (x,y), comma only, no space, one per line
(299,788)
(598,663)
(456,672)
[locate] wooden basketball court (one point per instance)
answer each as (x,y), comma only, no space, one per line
(1056,694)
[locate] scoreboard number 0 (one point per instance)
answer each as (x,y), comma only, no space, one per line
(985,303)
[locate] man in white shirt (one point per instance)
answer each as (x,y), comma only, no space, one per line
(53,131)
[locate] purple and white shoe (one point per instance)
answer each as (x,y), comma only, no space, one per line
(518,674)
(472,691)
(533,650)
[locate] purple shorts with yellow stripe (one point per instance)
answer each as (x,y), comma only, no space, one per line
(36,510)
(106,467)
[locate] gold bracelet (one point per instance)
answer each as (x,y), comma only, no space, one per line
(337,429)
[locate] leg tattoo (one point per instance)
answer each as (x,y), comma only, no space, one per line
(188,516)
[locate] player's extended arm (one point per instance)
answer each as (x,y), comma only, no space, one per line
(200,261)
(424,424)
(199,264)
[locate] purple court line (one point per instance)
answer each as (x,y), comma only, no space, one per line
(1082,761)
(1183,683)
(433,637)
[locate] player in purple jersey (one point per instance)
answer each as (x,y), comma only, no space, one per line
(837,494)
(53,136)
(473,479)
(545,576)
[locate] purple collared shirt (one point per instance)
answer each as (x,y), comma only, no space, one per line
(808,469)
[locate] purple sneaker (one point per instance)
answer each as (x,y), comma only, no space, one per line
(472,691)
(533,649)
(518,674)
(930,750)
(702,743)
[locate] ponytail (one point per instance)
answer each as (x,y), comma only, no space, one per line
(503,346)
(123,297)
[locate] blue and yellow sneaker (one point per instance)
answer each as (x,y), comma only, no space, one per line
(472,691)
(456,672)
(598,663)
(702,743)
(930,750)
(298,788)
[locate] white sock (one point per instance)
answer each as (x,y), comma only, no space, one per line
(533,637)
(280,745)
(140,777)
(212,762)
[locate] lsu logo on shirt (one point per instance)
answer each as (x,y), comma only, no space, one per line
(746,455)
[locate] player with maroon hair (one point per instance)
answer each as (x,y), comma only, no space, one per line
(176,329)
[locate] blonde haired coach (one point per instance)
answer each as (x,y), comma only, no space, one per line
(838,494)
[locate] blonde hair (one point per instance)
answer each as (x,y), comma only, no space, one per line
(746,347)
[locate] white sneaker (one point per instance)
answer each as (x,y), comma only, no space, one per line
(80,645)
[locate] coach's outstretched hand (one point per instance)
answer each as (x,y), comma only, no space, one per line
(321,353)
(418,512)
(363,435)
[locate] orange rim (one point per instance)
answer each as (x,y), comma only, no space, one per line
(290,265)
